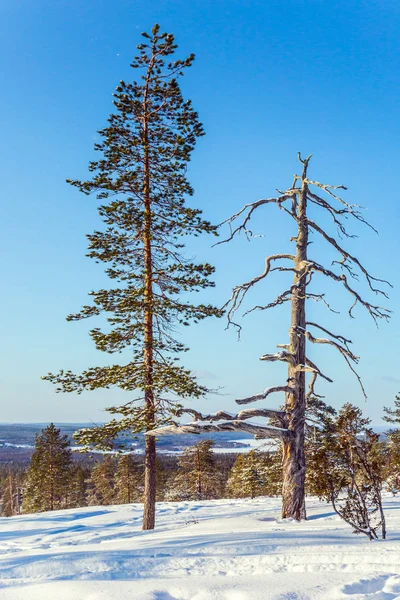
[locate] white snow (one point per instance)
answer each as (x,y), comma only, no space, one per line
(222,550)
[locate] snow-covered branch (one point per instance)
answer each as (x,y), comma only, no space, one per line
(283,356)
(259,432)
(248,413)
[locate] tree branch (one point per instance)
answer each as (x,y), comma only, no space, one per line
(311,387)
(376,312)
(258,431)
(283,356)
(281,299)
(251,207)
(242,415)
(271,390)
(310,367)
(344,351)
(349,257)
(341,338)
(240,291)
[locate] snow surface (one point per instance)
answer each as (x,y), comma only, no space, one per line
(222,550)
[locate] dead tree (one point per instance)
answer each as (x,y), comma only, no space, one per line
(295,201)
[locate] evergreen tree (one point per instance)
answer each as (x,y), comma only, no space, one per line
(10,497)
(129,480)
(141,175)
(197,477)
(320,432)
(77,496)
(351,471)
(255,474)
(102,482)
(392,415)
(49,475)
(11,485)
(247,478)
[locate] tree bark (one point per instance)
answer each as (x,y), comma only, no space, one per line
(149,512)
(294,464)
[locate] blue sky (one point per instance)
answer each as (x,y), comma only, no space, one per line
(270,78)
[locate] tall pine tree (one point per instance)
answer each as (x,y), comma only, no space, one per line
(48,477)
(10,495)
(392,415)
(77,495)
(129,480)
(248,476)
(141,176)
(197,477)
(255,474)
(102,482)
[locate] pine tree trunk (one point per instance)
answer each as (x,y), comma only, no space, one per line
(149,514)
(150,449)
(294,465)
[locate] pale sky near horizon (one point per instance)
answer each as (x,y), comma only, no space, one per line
(270,79)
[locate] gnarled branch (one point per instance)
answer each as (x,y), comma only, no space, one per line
(311,367)
(311,387)
(283,356)
(271,390)
(240,291)
(340,338)
(259,432)
(349,257)
(376,311)
(251,207)
(344,351)
(242,415)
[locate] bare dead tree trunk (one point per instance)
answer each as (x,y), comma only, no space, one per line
(149,509)
(290,429)
(294,466)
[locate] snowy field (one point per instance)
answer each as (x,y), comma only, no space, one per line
(222,550)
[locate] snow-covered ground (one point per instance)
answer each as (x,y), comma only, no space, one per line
(222,550)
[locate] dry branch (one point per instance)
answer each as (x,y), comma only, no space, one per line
(341,338)
(283,356)
(251,207)
(259,432)
(311,387)
(376,311)
(311,367)
(242,415)
(240,291)
(344,351)
(277,388)
(349,257)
